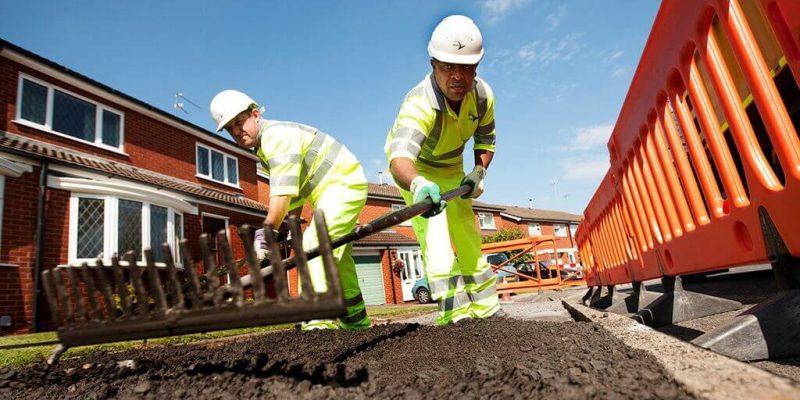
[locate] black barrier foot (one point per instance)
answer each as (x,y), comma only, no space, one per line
(677,305)
(604,297)
(588,295)
(769,330)
(635,302)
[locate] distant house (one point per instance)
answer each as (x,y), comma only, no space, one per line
(538,222)
(88,171)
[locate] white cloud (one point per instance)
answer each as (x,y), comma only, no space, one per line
(496,9)
(546,52)
(588,138)
(581,169)
(616,55)
(555,18)
(620,72)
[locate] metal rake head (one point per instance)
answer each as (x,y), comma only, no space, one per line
(127,301)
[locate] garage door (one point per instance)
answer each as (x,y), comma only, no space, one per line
(370,279)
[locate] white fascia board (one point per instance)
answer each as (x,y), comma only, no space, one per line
(13,169)
(509,216)
(71,80)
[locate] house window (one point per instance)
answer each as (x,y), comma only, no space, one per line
(572,229)
(486,221)
(68,114)
(217,166)
(534,229)
(396,207)
(104,225)
(560,230)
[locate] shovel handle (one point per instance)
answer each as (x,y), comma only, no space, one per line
(374,226)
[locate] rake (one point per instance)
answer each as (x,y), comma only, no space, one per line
(92,304)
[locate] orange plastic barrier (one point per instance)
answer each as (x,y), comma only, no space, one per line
(705,148)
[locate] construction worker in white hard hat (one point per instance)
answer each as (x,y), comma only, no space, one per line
(425,149)
(304,165)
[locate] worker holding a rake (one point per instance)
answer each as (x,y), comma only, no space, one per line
(305,165)
(425,149)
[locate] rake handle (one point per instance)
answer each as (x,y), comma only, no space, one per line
(377,225)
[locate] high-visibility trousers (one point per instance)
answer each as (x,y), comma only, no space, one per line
(341,202)
(464,285)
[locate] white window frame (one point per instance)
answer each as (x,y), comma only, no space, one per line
(225,157)
(396,207)
(110,228)
(563,230)
(537,228)
(48,125)
(488,227)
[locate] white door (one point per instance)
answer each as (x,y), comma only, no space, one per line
(412,271)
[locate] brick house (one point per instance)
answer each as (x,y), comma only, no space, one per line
(88,171)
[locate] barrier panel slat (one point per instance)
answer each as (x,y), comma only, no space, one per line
(644,196)
(678,197)
(655,193)
(654,164)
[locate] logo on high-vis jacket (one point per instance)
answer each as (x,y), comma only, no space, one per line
(472,118)
(458,44)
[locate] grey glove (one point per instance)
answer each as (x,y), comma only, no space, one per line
(260,244)
(475,180)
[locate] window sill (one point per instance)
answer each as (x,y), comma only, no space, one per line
(4,265)
(46,129)
(122,264)
(206,178)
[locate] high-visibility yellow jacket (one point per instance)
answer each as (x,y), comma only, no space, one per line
(301,161)
(428,131)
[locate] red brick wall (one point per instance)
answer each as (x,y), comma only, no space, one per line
(145,139)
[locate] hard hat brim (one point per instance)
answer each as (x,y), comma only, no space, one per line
(466,59)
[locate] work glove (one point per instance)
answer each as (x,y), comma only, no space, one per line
(260,244)
(475,180)
(422,188)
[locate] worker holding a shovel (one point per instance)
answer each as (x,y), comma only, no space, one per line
(425,149)
(305,165)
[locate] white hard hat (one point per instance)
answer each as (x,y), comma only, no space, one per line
(456,40)
(227,104)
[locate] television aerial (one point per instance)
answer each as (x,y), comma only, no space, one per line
(180,102)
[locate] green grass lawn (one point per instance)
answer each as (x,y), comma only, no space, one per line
(23,349)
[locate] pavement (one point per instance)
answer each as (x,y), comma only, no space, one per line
(706,374)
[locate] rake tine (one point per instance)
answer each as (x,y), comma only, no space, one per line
(62,295)
(252,264)
(50,292)
(278,270)
(122,287)
(155,282)
(172,275)
(105,288)
(307,289)
(233,271)
(210,266)
(194,282)
(136,280)
(91,292)
(326,252)
(76,295)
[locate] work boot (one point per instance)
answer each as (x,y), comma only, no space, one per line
(318,324)
(499,314)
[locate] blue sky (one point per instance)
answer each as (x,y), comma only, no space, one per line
(560,70)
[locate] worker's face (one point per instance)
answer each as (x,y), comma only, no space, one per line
(454,80)
(244,128)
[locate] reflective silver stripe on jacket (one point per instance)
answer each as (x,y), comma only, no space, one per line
(354,301)
(352,319)
(284,180)
(484,130)
(319,174)
(279,161)
(481,99)
(407,139)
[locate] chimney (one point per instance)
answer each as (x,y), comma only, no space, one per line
(380,177)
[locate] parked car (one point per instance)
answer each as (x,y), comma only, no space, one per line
(422,291)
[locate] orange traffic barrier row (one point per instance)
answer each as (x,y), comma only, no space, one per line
(705,155)
(524,281)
